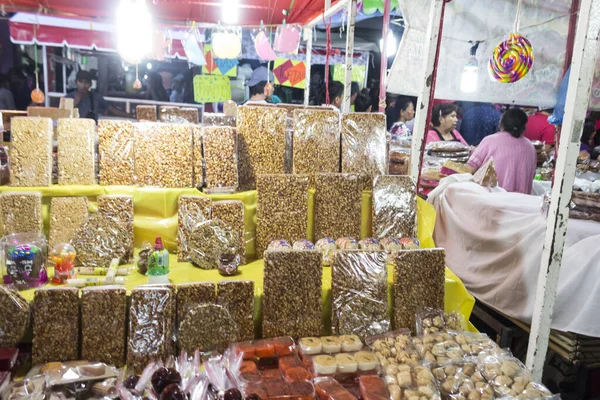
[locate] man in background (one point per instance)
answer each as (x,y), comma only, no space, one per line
(92,104)
(7,100)
(257,84)
(478,121)
(538,128)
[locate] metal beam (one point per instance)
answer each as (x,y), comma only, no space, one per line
(384,56)
(45,65)
(578,94)
(349,53)
(308,36)
(328,13)
(431,51)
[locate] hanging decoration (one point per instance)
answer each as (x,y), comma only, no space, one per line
(262,45)
(513,58)
(227,43)
(134,31)
(137,84)
(287,38)
(218,66)
(194,53)
(37,96)
(369,7)
(289,73)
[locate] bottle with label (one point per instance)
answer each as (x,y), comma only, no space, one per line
(158,263)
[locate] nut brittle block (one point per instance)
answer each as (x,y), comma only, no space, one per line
(20,212)
(66,215)
(30,151)
(115,152)
(76,151)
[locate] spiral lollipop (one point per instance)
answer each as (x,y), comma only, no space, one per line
(511,59)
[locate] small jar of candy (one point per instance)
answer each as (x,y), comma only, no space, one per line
(62,257)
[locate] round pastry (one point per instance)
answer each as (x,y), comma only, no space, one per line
(331,344)
(351,343)
(207,327)
(327,246)
(303,245)
(347,243)
(369,244)
(391,244)
(511,60)
(366,360)
(346,363)
(324,365)
(279,244)
(310,345)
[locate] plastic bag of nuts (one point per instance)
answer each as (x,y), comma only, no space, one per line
(31,151)
(438,347)
(216,119)
(15,317)
(431,320)
(20,212)
(192,210)
(220,159)
(413,381)
(473,344)
(116,153)
(364,144)
(462,380)
(213,242)
(145,113)
(207,327)
(510,378)
(393,349)
(394,206)
(100,239)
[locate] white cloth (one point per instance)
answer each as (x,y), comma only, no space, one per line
(494,241)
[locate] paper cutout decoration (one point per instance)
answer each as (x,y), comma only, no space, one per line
(290,73)
(263,47)
(226,44)
(358,73)
(213,66)
(287,39)
(211,89)
(368,7)
(193,51)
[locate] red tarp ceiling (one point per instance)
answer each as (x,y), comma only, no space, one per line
(251,12)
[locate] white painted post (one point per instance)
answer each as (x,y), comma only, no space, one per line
(430,50)
(578,94)
(349,53)
(308,36)
(45,64)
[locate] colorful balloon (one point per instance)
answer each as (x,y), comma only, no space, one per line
(512,59)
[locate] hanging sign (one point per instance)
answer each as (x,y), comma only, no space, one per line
(218,66)
(358,73)
(289,73)
(211,89)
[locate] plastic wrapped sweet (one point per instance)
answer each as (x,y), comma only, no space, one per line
(393,349)
(231,212)
(238,298)
(121,208)
(392,246)
(143,257)
(145,113)
(15,317)
(207,327)
(303,244)
(347,243)
(287,39)
(412,381)
(192,211)
(101,239)
(486,174)
(215,119)
(213,242)
(66,215)
(24,258)
(410,243)
(364,144)
(337,209)
(361,362)
(62,257)
(279,244)
(330,389)
(327,246)
(220,159)
(373,388)
(510,378)
(369,244)
(20,212)
(115,152)
(151,326)
(31,151)
(430,320)
(359,293)
(462,379)
(4,166)
(394,206)
(438,347)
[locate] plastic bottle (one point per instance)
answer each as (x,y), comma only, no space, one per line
(158,263)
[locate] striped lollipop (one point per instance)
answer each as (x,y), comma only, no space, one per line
(511,60)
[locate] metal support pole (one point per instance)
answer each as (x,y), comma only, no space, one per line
(308,36)
(45,64)
(349,54)
(384,55)
(578,94)
(431,51)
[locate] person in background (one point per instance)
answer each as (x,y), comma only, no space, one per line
(363,101)
(177,90)
(257,83)
(336,94)
(7,100)
(514,155)
(444,119)
(588,136)
(156,90)
(538,128)
(406,110)
(479,121)
(354,89)
(90,103)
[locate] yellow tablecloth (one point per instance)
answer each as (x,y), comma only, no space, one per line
(156,214)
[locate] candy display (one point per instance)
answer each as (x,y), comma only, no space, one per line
(238,298)
(120,208)
(212,243)
(394,206)
(192,210)
(116,152)
(282,209)
(66,215)
(337,205)
(303,244)
(15,317)
(62,257)
(30,151)
(359,293)
(20,212)
(220,159)
(103,309)
(145,113)
(231,212)
(289,276)
(55,325)
(76,151)
(327,246)
(418,282)
(24,256)
(511,60)
(100,239)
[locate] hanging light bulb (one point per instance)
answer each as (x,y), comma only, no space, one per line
(230,11)
(390,47)
(470,72)
(134,30)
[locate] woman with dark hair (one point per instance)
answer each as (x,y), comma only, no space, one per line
(588,136)
(363,101)
(405,109)
(444,120)
(336,94)
(513,154)
(156,90)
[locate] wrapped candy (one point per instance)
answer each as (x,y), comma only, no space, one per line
(62,257)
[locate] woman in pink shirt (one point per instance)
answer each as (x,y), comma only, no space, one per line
(514,155)
(444,120)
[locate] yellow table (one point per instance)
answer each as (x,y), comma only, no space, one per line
(156,214)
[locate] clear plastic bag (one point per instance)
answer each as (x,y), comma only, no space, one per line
(207,328)
(163,155)
(20,212)
(337,209)
(192,210)
(31,151)
(231,212)
(287,38)
(220,159)
(412,381)
(66,214)
(76,152)
(100,239)
(15,321)
(329,389)
(213,242)
(151,326)
(447,147)
(24,260)
(146,113)
(55,325)
(459,380)
(486,174)
(262,44)
(238,298)
(364,144)
(316,141)
(394,206)
(373,388)
(261,143)
(116,152)
(510,378)
(120,207)
(216,119)
(431,320)
(359,293)
(474,344)
(393,349)
(227,42)
(400,150)
(179,115)
(438,348)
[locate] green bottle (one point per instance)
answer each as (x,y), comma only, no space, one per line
(158,263)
